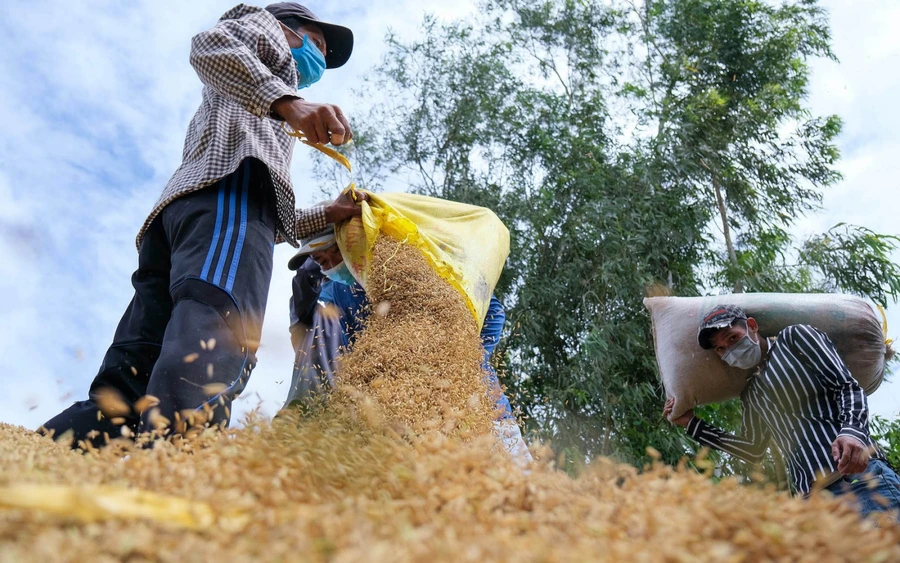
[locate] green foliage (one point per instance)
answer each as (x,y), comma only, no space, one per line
(855,259)
(887,434)
(727,80)
(611,138)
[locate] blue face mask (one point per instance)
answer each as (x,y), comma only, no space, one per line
(340,274)
(310,62)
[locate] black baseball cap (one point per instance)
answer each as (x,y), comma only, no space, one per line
(338,39)
(718,317)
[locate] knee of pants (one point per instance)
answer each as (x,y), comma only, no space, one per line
(205,359)
(126,368)
(195,289)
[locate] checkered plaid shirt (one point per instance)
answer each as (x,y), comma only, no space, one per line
(245,64)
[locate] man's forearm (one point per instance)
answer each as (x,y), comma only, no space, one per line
(282,108)
(713,437)
(854,413)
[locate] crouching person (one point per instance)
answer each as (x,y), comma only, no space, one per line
(325,316)
(327,308)
(802,397)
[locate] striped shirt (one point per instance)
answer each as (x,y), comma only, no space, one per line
(803,397)
(245,64)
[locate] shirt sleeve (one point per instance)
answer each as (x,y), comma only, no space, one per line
(307,222)
(492,328)
(297,329)
(750,446)
(310,221)
(236,58)
(818,351)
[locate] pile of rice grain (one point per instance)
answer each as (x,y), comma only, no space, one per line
(342,486)
(331,489)
(417,362)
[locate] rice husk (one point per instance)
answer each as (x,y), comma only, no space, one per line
(418,360)
(330,488)
(345,485)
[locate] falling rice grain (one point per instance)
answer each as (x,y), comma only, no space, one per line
(111,403)
(144,403)
(428,347)
(211,389)
(383,308)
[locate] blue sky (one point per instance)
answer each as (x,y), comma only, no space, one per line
(94,104)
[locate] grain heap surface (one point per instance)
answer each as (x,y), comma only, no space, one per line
(332,489)
(419,357)
(345,485)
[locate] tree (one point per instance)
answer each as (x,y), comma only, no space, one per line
(723,87)
(611,140)
(887,434)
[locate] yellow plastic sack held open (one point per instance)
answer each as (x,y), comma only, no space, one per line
(465,244)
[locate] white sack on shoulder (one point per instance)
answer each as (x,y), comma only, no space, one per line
(694,376)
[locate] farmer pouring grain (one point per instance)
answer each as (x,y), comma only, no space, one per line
(323,288)
(803,398)
(187,342)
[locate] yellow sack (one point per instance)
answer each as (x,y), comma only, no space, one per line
(465,244)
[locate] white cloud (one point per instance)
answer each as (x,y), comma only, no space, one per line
(861,89)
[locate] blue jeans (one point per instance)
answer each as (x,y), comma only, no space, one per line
(490,336)
(883,495)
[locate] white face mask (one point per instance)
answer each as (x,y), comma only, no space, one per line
(743,354)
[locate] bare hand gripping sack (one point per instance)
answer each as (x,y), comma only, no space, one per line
(694,376)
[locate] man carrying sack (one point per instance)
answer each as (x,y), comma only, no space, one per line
(802,397)
(189,337)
